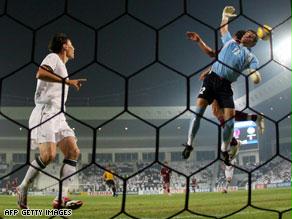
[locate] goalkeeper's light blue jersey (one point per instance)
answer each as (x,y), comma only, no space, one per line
(236,56)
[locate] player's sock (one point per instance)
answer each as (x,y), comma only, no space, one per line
(32,172)
(227,135)
(195,124)
(68,168)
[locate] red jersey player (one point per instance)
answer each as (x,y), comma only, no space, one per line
(165,172)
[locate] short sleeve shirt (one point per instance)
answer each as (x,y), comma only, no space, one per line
(51,92)
(236,58)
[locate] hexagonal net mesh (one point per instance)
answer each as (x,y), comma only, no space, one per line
(132,114)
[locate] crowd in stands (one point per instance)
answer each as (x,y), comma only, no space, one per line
(273,172)
(150,179)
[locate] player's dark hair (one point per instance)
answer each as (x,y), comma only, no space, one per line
(57,41)
(239,34)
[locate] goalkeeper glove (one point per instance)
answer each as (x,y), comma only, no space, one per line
(228,12)
(254,75)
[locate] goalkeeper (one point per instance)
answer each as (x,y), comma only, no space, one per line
(239,116)
(217,84)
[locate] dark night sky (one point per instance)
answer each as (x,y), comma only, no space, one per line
(126,46)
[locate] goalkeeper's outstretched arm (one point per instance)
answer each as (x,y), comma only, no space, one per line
(203,46)
(228,12)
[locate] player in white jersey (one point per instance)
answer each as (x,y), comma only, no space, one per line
(229,169)
(50,129)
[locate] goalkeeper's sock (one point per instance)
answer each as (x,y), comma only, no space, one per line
(227,135)
(195,124)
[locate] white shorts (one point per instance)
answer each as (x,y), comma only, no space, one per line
(54,130)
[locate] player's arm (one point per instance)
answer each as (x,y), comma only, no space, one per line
(45,73)
(203,46)
(228,12)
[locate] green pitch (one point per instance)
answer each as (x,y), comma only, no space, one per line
(163,206)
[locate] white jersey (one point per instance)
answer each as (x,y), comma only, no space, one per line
(48,97)
(49,92)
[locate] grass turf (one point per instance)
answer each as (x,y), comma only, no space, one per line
(163,206)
